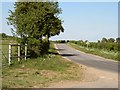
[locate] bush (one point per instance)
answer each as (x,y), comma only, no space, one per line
(60,41)
(34,49)
(106,45)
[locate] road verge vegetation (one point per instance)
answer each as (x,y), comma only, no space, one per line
(40,72)
(100,52)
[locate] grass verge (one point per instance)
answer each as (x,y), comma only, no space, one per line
(102,53)
(40,72)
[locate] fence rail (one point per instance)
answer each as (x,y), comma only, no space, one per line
(19,56)
(6,51)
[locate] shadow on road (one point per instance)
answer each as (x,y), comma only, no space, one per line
(68,54)
(56,53)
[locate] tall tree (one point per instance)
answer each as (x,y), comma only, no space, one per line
(34,20)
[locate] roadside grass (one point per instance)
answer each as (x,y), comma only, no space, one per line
(4,51)
(40,72)
(95,51)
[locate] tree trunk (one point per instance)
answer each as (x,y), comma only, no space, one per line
(47,40)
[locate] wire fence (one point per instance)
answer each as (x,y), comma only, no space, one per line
(4,54)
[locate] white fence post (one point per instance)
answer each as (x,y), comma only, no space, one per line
(87,44)
(9,58)
(18,52)
(10,52)
(25,52)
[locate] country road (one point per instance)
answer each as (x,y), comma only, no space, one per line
(105,70)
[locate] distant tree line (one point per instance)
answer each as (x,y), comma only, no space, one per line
(4,36)
(110,44)
(60,41)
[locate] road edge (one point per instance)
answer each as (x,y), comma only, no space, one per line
(93,54)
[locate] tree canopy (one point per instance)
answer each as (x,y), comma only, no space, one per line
(34,20)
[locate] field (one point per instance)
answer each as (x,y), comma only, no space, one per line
(38,72)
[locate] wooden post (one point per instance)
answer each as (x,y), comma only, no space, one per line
(25,52)
(87,45)
(9,58)
(18,52)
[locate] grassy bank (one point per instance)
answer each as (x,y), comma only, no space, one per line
(40,72)
(95,51)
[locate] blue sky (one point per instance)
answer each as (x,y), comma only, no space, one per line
(82,20)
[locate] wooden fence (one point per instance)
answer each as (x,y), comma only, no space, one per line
(19,56)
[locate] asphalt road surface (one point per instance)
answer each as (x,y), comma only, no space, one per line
(109,67)
(87,59)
